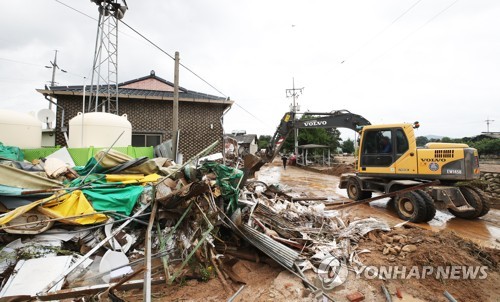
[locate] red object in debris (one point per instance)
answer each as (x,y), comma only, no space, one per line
(355,297)
(399,294)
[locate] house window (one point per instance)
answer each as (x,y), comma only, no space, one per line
(146,139)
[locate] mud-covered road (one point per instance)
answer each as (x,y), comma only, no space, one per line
(484,231)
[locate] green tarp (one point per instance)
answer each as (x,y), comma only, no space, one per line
(227,179)
(121,200)
(11,152)
(88,167)
(109,196)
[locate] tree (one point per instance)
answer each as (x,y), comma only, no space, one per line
(264,141)
(421,141)
(348,146)
(487,146)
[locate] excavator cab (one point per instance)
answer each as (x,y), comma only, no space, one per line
(382,148)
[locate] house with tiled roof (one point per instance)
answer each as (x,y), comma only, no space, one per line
(148,103)
(246,142)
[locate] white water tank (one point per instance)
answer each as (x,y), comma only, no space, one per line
(20,129)
(99,129)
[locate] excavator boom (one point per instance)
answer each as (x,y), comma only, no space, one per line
(334,119)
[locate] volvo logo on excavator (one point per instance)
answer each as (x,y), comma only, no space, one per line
(314,123)
(433,159)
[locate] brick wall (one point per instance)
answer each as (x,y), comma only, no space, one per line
(155,116)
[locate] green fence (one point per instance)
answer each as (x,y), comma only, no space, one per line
(82,155)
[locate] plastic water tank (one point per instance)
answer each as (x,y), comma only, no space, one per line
(99,129)
(20,129)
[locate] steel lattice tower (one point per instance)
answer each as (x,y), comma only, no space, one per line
(104,81)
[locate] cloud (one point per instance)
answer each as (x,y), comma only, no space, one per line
(443,73)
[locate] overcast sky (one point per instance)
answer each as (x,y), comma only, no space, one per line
(435,61)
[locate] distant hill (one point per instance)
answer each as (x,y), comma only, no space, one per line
(433,136)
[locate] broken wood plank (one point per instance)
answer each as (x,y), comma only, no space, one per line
(93,289)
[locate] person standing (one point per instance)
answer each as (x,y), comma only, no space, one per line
(284,158)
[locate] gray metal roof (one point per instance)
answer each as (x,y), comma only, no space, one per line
(137,92)
(185,95)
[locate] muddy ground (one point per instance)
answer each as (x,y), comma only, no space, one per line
(446,241)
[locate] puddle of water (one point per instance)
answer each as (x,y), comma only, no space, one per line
(485,230)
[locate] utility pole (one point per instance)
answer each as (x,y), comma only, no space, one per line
(175,114)
(488,121)
(53,81)
(294,94)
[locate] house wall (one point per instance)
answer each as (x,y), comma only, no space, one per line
(253,147)
(155,116)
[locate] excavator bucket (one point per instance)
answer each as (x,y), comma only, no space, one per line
(252,164)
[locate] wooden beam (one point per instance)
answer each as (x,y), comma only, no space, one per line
(94,289)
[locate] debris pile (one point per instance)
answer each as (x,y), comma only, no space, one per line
(492,187)
(409,248)
(298,235)
(154,221)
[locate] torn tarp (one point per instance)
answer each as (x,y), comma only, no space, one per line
(70,205)
(61,206)
(227,179)
(121,200)
(11,152)
(128,179)
(10,176)
(21,210)
(117,162)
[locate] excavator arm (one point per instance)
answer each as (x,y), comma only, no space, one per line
(335,119)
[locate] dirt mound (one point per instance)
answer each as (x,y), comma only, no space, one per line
(335,169)
(339,169)
(427,250)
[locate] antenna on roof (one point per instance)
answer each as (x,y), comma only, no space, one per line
(488,122)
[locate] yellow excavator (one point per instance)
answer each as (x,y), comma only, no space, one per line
(389,160)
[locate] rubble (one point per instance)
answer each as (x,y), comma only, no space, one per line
(154,221)
(189,208)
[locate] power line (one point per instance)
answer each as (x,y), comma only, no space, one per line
(38,65)
(170,56)
(76,10)
(22,62)
(405,38)
(382,31)
(187,68)
(153,44)
(88,16)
